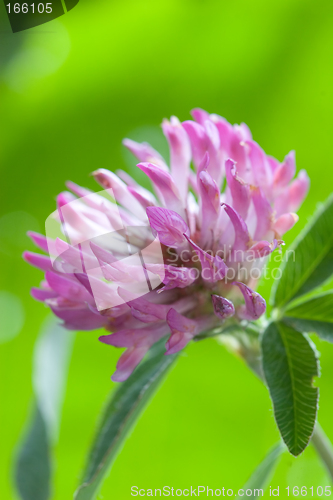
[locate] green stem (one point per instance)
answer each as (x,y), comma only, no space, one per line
(324,448)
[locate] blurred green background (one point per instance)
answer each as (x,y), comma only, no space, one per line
(70,90)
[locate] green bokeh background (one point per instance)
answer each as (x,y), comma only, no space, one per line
(70,90)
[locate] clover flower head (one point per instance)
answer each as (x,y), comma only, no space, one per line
(177,263)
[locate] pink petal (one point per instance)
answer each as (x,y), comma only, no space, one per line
(210,206)
(78,190)
(182,331)
(142,309)
(109,180)
(198,139)
(164,185)
(285,172)
(92,200)
(242,237)
(113,307)
(143,196)
(243,131)
(138,337)
(124,176)
(223,308)
(255,305)
(64,198)
(180,153)
(284,223)
(293,196)
(261,170)
(84,280)
(203,165)
(68,288)
(192,212)
(40,261)
(39,240)
(168,225)
(76,316)
(213,267)
(240,191)
(273,163)
(226,134)
(200,115)
(122,273)
(210,194)
(232,142)
(78,225)
(264,248)
(264,213)
(127,362)
(102,255)
(119,270)
(205,139)
(42,295)
(213,134)
(192,179)
(173,277)
(145,152)
(73,256)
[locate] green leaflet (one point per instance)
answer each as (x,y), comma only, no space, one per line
(33,464)
(121,414)
(312,261)
(290,364)
(323,330)
(313,315)
(317,308)
(51,359)
(262,474)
